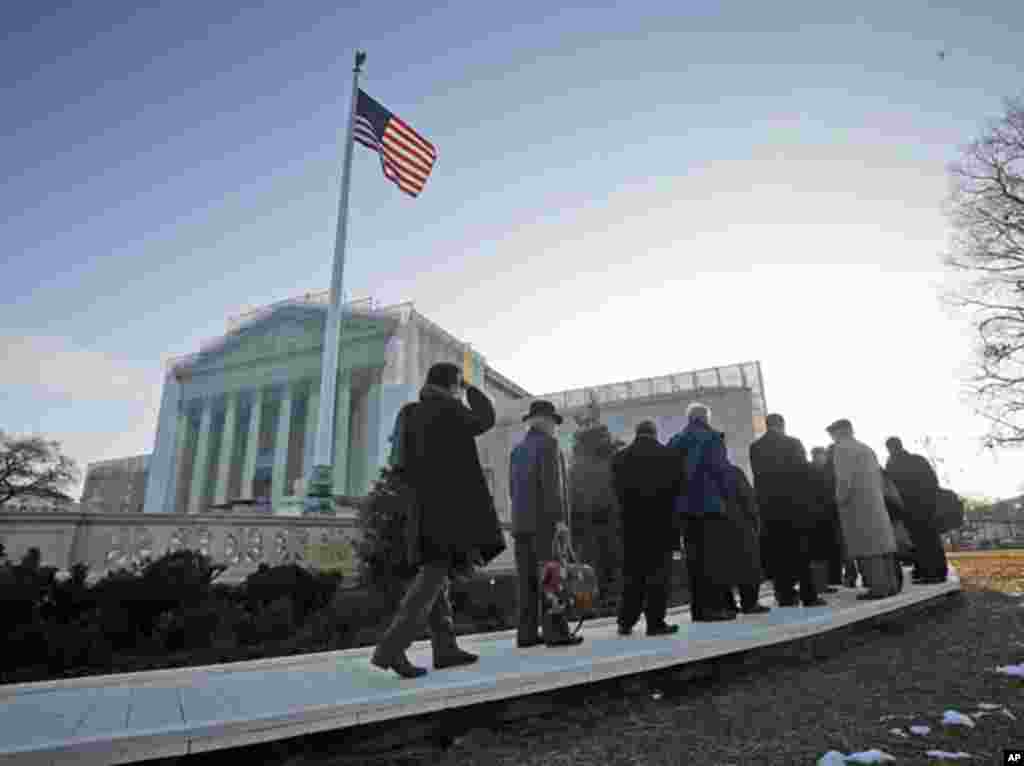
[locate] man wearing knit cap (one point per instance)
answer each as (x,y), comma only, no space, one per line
(647,477)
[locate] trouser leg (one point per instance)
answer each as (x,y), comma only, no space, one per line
(785,557)
(441,621)
(929,555)
(634,577)
(749,596)
(528,572)
(656,600)
(808,589)
(879,577)
(413,612)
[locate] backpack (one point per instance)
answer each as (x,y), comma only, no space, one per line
(949,511)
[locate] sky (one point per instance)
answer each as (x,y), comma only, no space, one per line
(621,191)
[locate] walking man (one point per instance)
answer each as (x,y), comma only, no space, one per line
(455,524)
(918,485)
(647,477)
(860,497)
(783,483)
(539,502)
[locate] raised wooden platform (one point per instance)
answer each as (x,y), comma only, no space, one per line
(138,716)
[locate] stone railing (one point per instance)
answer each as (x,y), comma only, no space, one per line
(243,541)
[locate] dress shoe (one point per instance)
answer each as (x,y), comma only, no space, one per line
(662,630)
(564,641)
(400,665)
(624,631)
(527,643)
(816,602)
(788,603)
(756,609)
(929,580)
(830,589)
(453,657)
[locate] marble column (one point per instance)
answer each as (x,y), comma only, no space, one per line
(343,403)
(252,446)
(279,476)
(309,440)
(180,440)
(201,465)
(227,450)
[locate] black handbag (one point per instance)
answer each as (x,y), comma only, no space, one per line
(949,511)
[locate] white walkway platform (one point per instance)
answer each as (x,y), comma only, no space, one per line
(137,716)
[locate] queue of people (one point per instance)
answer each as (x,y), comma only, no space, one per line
(828,513)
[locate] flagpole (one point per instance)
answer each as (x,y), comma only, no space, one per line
(320,481)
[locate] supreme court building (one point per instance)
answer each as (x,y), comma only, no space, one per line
(238,419)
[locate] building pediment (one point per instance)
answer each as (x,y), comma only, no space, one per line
(286,331)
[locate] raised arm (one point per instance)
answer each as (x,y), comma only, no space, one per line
(478,418)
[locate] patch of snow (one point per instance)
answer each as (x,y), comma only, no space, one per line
(835,758)
(869,756)
(832,758)
(953,718)
(1008,714)
(947,756)
(1012,670)
(989,706)
(920,730)
(898,732)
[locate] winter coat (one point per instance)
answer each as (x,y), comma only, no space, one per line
(537,489)
(784,482)
(706,481)
(647,477)
(917,483)
(456,521)
(733,548)
(860,497)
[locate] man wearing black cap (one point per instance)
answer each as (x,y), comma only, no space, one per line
(456,525)
(538,492)
(647,477)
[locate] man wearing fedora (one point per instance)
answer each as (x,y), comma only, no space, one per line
(537,487)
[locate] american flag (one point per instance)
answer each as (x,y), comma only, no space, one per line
(406,157)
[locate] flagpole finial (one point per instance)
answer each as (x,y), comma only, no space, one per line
(360,59)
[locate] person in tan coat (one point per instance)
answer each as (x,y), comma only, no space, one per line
(860,497)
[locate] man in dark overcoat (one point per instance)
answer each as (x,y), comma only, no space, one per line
(918,485)
(701,507)
(456,524)
(827,541)
(537,488)
(647,476)
(782,481)
(741,555)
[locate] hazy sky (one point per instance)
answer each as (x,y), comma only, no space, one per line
(620,192)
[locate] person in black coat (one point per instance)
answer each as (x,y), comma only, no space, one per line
(782,481)
(647,477)
(827,543)
(456,524)
(918,485)
(745,547)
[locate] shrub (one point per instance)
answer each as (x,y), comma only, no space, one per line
(381,520)
(275,622)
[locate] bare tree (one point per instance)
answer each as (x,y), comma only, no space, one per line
(33,466)
(987,213)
